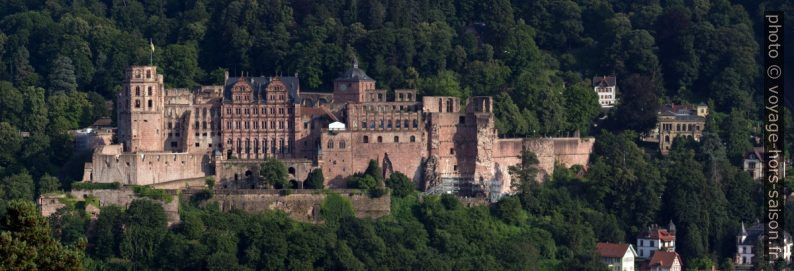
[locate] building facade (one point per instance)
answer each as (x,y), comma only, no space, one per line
(444,144)
(617,257)
(654,239)
(677,120)
(747,249)
(606,89)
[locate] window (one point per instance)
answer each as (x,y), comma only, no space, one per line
(416,124)
(149,102)
(406,123)
(342,144)
(413,139)
(449,105)
(149,92)
(451,151)
(148,74)
(366,139)
(174,144)
(388,124)
(462,120)
(380,139)
(137,104)
(397,124)
(364,124)
(396,139)
(330,144)
(137,91)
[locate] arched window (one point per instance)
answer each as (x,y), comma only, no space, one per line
(330,144)
(366,139)
(413,139)
(342,144)
(396,139)
(449,105)
(380,139)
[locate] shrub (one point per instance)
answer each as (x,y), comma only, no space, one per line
(95,186)
(315,180)
(210,181)
(152,193)
(336,207)
(285,192)
(400,185)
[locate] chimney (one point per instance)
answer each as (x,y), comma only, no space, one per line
(225,76)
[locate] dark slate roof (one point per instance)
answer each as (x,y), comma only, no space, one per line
(757,231)
(259,84)
(355,74)
(604,81)
(680,112)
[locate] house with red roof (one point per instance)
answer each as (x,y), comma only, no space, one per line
(655,238)
(618,257)
(665,261)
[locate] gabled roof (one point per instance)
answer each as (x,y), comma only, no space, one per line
(758,152)
(604,81)
(657,234)
(259,84)
(612,250)
(664,259)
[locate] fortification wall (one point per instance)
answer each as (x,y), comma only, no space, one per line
(49,204)
(404,155)
(302,205)
(566,151)
(109,166)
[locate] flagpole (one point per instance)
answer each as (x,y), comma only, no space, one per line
(151,53)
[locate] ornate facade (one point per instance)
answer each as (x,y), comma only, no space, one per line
(445,145)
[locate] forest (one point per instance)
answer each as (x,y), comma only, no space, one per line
(62,62)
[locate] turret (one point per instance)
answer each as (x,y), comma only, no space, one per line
(140,110)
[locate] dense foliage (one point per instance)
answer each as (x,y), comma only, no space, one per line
(61,61)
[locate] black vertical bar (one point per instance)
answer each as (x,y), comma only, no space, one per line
(773,135)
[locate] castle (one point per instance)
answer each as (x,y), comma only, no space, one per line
(172,135)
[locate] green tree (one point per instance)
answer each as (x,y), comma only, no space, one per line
(181,65)
(18,186)
(11,105)
(445,83)
(581,103)
(273,173)
(26,243)
(400,184)
(315,180)
(48,184)
(61,77)
(524,175)
(23,72)
(145,228)
(374,170)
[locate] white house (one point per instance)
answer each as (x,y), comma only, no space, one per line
(665,261)
(746,250)
(606,89)
(618,257)
(655,238)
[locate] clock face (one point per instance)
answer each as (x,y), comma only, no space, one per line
(343,87)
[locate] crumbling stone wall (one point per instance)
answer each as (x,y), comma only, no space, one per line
(50,203)
(302,205)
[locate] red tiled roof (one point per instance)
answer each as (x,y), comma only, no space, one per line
(664,259)
(612,250)
(658,234)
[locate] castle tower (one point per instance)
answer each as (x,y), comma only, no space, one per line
(140,110)
(353,86)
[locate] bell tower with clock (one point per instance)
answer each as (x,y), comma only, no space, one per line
(353,85)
